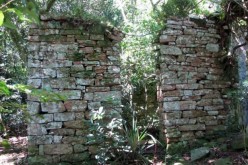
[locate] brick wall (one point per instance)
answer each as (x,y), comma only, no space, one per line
(77,59)
(192,87)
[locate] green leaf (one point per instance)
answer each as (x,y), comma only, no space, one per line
(4,90)
(7,23)
(1,17)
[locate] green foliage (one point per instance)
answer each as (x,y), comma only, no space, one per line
(116,140)
(180,8)
(23,10)
(5,143)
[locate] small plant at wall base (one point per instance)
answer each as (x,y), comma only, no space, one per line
(118,141)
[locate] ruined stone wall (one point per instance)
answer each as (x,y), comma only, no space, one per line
(192,84)
(77,59)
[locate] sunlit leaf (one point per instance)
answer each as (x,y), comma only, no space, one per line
(1,17)
(4,90)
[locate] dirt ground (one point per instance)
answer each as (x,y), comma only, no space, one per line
(17,152)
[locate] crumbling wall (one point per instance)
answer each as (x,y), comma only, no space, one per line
(192,84)
(77,59)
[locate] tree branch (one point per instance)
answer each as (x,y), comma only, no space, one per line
(4,5)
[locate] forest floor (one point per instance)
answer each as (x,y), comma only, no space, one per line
(17,154)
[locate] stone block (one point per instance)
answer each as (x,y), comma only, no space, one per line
(170,106)
(44,139)
(172,115)
(202,91)
(218,102)
(36,129)
(53,125)
(97,37)
(107,96)
(36,83)
(57,139)
(58,47)
(41,118)
(197,127)
(187,136)
(86,50)
(94,105)
(79,115)
(189,31)
(185,39)
(212,47)
(169,75)
(72,94)
(58,149)
(82,81)
(76,124)
(65,116)
(175,93)
(75,105)
(194,113)
(168,87)
(74,140)
(205,102)
(166,39)
(52,107)
(170,50)
(62,132)
(171,99)
(33,107)
(114,69)
(61,83)
(214,108)
(88,96)
(79,148)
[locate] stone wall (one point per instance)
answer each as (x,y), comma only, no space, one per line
(77,59)
(192,87)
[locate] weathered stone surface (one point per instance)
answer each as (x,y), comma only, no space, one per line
(42,118)
(53,125)
(73,140)
(82,66)
(167,38)
(33,107)
(62,132)
(58,149)
(197,127)
(212,47)
(77,124)
(36,83)
(66,116)
(52,107)
(36,129)
(79,148)
(44,139)
(199,153)
(105,96)
(75,105)
(72,94)
(194,113)
(170,50)
(185,39)
(81,81)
